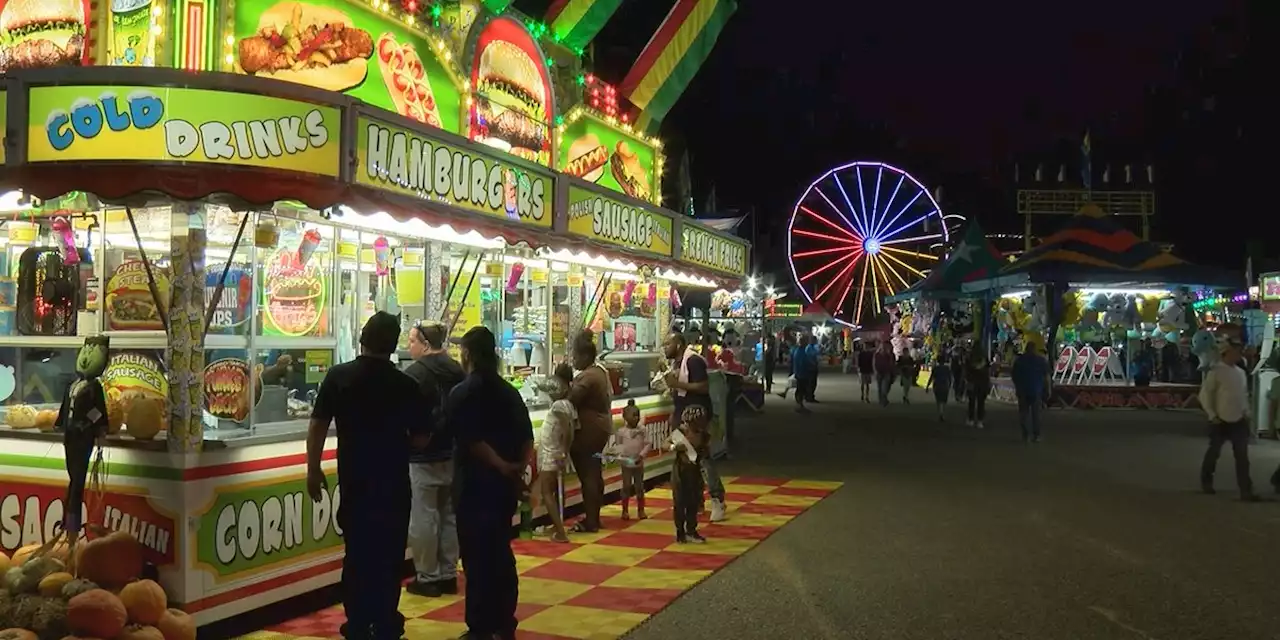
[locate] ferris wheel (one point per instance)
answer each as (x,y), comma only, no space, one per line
(860,232)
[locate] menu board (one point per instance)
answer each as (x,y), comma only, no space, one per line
(226,388)
(347,47)
(294,296)
(129,301)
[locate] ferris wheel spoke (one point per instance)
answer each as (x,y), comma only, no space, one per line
(913,223)
(904,265)
(895,273)
(852,237)
(862,196)
(880,232)
(854,255)
(932,236)
(913,254)
(839,308)
(861,227)
(818,252)
(814,234)
(840,212)
(862,291)
(875,201)
(875,285)
(836,279)
(888,206)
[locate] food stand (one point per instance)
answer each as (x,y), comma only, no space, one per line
(236,229)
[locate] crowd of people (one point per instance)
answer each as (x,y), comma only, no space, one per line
(435,458)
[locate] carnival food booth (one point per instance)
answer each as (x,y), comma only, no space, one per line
(229,223)
(1097,297)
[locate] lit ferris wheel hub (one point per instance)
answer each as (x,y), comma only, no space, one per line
(860,232)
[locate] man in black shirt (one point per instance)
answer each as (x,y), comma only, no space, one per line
(433,526)
(374,406)
(494,439)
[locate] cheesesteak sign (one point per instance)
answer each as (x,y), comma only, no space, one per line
(703,248)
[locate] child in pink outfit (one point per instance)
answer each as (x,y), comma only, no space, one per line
(633,446)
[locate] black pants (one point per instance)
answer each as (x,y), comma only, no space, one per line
(376,532)
(484,539)
(768,378)
(588,442)
(686,496)
(804,387)
(1238,434)
(813,385)
(977,403)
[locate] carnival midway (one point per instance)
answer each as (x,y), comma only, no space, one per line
(208,204)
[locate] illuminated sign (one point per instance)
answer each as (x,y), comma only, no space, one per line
(1269,287)
(406,162)
(594,216)
(596,152)
(158,124)
(784,309)
(706,249)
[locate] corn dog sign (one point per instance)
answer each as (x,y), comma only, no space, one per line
(160,124)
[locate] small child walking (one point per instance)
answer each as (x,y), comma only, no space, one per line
(940,379)
(686,472)
(633,446)
(553,448)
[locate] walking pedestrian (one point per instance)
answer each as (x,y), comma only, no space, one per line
(958,359)
(978,385)
(690,384)
(907,371)
(814,354)
(553,440)
(885,368)
(800,369)
(769,356)
(377,410)
(433,525)
(591,394)
(940,378)
(495,445)
(1224,394)
(866,369)
(1031,385)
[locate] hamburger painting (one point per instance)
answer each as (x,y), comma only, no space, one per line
(43,33)
(512,109)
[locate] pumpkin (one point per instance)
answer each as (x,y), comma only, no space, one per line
(45,419)
(144,419)
(18,634)
(111,561)
(59,550)
(22,416)
(97,613)
(52,584)
(5,563)
(175,624)
(140,632)
(115,414)
(144,601)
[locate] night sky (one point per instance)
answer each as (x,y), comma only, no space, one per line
(955,93)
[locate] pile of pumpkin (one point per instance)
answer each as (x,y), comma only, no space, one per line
(41,599)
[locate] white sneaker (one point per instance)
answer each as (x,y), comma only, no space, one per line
(968,423)
(979,424)
(717,511)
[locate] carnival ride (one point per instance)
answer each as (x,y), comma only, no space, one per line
(864,225)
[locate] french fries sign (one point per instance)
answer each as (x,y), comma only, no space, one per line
(610,221)
(409,163)
(707,249)
(159,124)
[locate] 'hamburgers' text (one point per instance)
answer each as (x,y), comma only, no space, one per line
(431,169)
(215,140)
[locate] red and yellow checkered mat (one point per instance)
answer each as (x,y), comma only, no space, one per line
(604,584)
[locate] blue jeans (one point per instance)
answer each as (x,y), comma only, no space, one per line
(1029,416)
(884,383)
(433,526)
(711,478)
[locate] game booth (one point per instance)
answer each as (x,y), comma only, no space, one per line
(1112,310)
(214,197)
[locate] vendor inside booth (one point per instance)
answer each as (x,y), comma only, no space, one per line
(228,235)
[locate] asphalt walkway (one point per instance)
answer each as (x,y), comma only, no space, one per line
(943,531)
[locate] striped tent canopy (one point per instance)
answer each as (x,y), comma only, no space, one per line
(974,258)
(1093,248)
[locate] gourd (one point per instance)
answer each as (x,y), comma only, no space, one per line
(22,416)
(144,418)
(97,613)
(140,632)
(51,585)
(111,561)
(18,634)
(77,587)
(58,550)
(26,578)
(45,419)
(144,601)
(5,563)
(175,624)
(115,415)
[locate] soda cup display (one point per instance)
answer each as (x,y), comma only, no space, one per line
(513,280)
(310,240)
(382,256)
(66,238)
